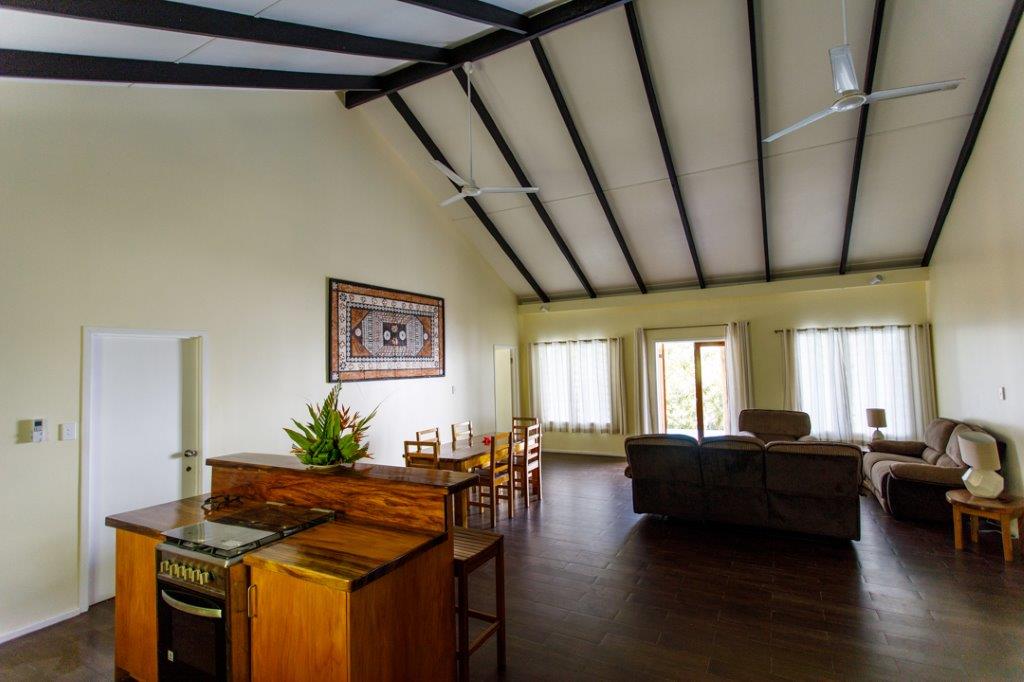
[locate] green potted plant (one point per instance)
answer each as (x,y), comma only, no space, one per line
(334,437)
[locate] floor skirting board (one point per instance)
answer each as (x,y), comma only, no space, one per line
(38,625)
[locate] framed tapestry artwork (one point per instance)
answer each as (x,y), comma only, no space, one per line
(379,333)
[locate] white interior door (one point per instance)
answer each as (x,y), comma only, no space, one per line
(145,434)
(504,387)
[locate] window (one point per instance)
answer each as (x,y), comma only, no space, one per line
(841,372)
(577,385)
(691,387)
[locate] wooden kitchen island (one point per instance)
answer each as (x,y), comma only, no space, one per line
(367,596)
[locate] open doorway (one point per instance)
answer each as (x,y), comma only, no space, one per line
(691,387)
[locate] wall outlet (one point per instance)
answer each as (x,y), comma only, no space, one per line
(69,431)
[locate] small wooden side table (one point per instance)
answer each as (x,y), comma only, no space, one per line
(1003,510)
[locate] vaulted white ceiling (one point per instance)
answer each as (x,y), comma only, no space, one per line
(699,57)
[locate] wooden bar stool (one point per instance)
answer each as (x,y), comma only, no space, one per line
(422,454)
(473,549)
(526,466)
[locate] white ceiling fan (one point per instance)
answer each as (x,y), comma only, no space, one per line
(470,188)
(849,96)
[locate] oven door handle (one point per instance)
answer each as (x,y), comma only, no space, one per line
(201,611)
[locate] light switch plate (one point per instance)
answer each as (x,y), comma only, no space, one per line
(69,431)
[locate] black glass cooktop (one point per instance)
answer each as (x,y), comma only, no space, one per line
(246,529)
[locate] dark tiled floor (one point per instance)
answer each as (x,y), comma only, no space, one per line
(596,592)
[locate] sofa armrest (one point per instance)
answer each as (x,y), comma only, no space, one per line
(950,477)
(910,448)
(628,472)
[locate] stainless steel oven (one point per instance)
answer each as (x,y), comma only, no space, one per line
(192,616)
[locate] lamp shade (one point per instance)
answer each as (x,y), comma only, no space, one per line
(876,417)
(979,451)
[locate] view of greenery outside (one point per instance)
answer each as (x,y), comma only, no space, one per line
(680,387)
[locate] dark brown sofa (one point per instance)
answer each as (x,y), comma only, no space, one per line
(808,487)
(910,478)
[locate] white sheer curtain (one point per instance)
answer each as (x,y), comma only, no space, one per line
(837,373)
(738,379)
(646,400)
(577,385)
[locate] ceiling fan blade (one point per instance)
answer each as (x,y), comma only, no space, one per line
(880,95)
(509,190)
(844,76)
(452,199)
(452,175)
(800,124)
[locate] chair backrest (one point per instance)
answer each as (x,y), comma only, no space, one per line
(462,432)
(422,454)
(501,454)
(532,443)
(519,426)
(772,425)
(433,434)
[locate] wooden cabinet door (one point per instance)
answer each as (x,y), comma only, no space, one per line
(298,629)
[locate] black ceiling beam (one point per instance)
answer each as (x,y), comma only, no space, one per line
(523,180)
(862,129)
(435,153)
(581,150)
(485,46)
(756,78)
(215,23)
(480,12)
(659,125)
(975,128)
(75,67)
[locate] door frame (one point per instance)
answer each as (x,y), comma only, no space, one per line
(516,406)
(695,334)
(87,457)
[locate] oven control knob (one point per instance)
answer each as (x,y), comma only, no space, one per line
(203,578)
(190,574)
(175,569)
(165,566)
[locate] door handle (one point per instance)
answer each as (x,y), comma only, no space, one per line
(190,453)
(250,597)
(201,611)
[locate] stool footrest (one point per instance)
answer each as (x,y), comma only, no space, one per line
(486,617)
(483,637)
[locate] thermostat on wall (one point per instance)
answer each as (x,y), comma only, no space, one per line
(38,430)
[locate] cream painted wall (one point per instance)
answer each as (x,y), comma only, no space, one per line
(976,297)
(216,211)
(846,300)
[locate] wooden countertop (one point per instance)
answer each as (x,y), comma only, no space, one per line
(450,481)
(155,520)
(343,555)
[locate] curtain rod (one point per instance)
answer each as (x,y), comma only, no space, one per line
(825,329)
(685,326)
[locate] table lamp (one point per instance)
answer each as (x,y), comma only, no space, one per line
(876,420)
(979,452)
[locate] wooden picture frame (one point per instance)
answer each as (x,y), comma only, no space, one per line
(376,333)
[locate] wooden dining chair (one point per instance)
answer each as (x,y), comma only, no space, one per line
(526,466)
(422,454)
(433,434)
(463,431)
(496,478)
(519,426)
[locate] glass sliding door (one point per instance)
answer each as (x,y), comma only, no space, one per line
(691,387)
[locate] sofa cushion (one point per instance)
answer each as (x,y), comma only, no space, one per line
(924,473)
(771,425)
(952,457)
(813,469)
(732,462)
(872,458)
(664,457)
(936,437)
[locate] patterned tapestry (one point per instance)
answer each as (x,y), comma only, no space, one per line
(378,333)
